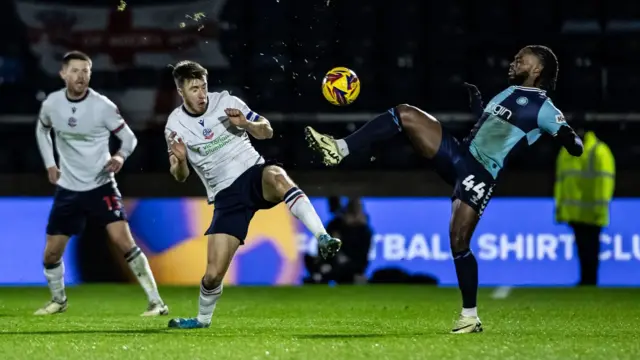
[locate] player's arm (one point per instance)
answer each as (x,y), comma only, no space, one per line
(179,167)
(551,120)
(255,124)
(43,137)
(570,140)
(260,129)
(118,127)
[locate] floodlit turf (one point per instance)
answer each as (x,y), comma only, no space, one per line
(376,322)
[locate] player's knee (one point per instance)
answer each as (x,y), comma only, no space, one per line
(52,256)
(120,235)
(124,242)
(277,181)
(407,114)
(458,240)
(212,278)
(53,250)
(411,116)
(404,112)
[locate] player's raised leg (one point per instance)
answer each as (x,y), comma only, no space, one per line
(120,234)
(463,223)
(422,129)
(277,186)
(220,251)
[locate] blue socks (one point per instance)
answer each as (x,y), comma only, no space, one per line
(467,271)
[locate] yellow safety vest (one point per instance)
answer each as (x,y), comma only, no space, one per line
(584,185)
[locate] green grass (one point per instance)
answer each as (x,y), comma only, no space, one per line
(375,322)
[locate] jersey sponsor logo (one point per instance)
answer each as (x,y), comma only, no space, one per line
(72,122)
(207,133)
(560,119)
(522,101)
(499,110)
(73,136)
(213,146)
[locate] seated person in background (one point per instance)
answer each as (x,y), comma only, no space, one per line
(350,264)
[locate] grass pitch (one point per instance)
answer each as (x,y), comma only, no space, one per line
(344,322)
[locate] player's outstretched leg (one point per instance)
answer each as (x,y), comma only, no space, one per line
(463,223)
(54,272)
(220,251)
(277,187)
(120,234)
(422,129)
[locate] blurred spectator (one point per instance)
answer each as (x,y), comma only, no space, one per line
(335,205)
(583,190)
(351,225)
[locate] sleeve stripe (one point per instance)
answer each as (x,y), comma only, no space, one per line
(117,130)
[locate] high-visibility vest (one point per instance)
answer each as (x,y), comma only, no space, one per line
(584,185)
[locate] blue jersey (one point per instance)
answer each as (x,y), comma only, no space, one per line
(513,119)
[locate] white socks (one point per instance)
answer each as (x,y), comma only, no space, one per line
(207,303)
(471,312)
(55,278)
(342,147)
(140,266)
(301,208)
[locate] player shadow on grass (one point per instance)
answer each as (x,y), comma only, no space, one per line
(87,331)
(352,336)
(171,331)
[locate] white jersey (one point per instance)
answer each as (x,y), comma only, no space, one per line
(82,129)
(218,151)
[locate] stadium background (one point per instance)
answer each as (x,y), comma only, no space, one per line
(273,55)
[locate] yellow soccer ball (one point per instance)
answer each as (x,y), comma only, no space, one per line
(341,86)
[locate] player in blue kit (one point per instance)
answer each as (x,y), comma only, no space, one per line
(514,119)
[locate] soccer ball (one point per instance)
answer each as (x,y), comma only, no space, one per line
(341,86)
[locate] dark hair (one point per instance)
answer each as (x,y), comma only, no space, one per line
(188,70)
(75,55)
(549,61)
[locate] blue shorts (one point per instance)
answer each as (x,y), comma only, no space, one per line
(71,208)
(471,182)
(236,205)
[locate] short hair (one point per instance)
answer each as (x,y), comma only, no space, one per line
(549,61)
(188,70)
(75,55)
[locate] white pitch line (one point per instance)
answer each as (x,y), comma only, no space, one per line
(501,292)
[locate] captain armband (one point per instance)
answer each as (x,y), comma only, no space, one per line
(253,116)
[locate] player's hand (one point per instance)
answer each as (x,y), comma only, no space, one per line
(474,93)
(177,147)
(236,117)
(53,173)
(475,99)
(114,164)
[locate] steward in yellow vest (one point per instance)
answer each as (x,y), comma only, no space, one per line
(583,190)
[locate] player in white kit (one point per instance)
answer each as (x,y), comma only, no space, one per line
(210,132)
(83,120)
